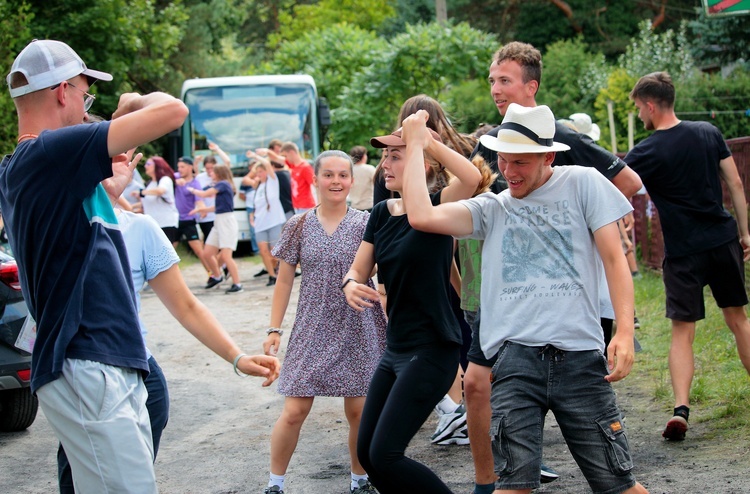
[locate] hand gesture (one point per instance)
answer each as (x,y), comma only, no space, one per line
(122,173)
(261,366)
(272,344)
(414,130)
(359,296)
(620,356)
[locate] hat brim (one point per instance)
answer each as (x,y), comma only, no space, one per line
(390,140)
(96,74)
(500,146)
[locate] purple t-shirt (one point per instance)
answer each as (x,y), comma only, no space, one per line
(185,199)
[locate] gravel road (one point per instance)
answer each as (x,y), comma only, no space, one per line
(217,439)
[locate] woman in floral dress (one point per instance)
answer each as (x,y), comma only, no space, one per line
(333,349)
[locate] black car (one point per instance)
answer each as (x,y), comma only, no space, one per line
(18,406)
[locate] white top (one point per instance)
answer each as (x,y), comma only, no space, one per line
(268,209)
(360,194)
(162,208)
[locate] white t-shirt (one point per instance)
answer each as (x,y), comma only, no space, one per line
(268,209)
(541,271)
(162,208)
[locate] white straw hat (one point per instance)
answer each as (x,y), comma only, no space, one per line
(46,63)
(525,130)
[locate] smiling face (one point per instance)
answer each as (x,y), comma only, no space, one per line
(507,86)
(525,172)
(334,179)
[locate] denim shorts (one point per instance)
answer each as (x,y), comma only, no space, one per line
(529,381)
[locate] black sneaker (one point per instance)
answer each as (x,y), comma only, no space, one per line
(226,271)
(548,474)
(271,281)
(260,273)
(212,282)
(235,288)
(273,490)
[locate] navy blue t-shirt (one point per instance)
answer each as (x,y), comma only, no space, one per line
(224,197)
(72,262)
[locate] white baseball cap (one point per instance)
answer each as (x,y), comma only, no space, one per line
(46,63)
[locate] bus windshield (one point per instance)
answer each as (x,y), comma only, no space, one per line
(242,117)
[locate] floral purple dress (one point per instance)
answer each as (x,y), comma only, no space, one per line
(333,349)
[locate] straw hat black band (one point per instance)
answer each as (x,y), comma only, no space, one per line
(527,132)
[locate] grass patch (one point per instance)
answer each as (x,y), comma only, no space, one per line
(720,394)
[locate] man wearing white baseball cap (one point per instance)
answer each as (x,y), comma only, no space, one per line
(55,191)
(540,298)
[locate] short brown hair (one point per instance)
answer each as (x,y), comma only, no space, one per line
(656,87)
(289,146)
(525,55)
(274,143)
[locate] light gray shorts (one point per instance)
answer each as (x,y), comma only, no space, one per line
(98,413)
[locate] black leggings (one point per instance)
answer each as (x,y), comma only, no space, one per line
(404,389)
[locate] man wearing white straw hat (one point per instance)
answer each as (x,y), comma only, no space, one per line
(515,76)
(540,298)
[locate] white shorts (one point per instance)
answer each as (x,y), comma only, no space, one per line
(224,233)
(98,413)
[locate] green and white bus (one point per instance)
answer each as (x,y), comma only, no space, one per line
(246,112)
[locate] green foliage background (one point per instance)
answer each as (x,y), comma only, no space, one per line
(368,57)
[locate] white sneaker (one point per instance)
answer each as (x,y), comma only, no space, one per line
(448,424)
(459,437)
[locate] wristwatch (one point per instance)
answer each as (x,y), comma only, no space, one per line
(275,330)
(346,282)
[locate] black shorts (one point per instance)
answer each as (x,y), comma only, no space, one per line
(187,229)
(206,228)
(171,233)
(721,268)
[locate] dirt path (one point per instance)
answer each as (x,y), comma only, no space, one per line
(217,439)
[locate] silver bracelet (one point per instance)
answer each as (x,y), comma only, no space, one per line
(236,361)
(275,330)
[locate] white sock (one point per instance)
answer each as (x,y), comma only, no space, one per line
(446,405)
(356,478)
(276,480)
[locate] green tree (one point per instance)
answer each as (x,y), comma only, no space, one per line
(721,100)
(14,35)
(720,39)
(333,55)
(619,85)
(427,58)
(366,14)
(564,61)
